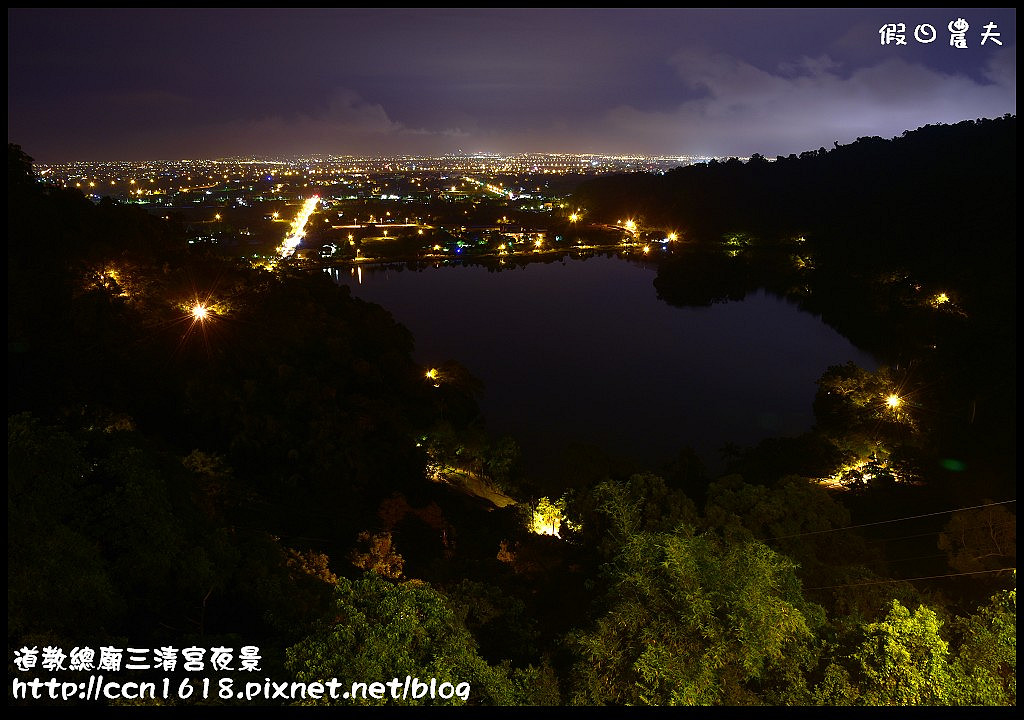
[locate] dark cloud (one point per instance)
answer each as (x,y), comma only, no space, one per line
(745,109)
(170,83)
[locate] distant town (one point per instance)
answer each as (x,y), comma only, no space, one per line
(373,208)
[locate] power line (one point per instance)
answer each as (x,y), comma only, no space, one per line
(936,532)
(884,522)
(919,557)
(925,577)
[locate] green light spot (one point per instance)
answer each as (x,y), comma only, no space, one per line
(952,465)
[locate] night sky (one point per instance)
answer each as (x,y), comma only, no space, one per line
(86,84)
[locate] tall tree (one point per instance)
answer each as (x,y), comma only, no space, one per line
(380,630)
(690,620)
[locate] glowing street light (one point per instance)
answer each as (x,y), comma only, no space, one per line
(200,312)
(893,401)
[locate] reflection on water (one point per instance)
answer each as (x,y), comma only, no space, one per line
(582,351)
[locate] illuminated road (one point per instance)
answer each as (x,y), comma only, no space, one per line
(298,228)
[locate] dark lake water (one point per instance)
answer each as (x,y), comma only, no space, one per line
(583,351)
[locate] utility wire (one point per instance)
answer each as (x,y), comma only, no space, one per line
(936,532)
(884,522)
(925,577)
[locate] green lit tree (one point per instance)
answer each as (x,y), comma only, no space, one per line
(985,664)
(379,630)
(910,658)
(613,511)
(690,620)
(904,660)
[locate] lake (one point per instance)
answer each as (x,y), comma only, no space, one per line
(582,351)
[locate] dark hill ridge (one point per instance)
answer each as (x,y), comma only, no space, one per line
(935,197)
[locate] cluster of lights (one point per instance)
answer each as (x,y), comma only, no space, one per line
(802,262)
(187,176)
(862,469)
(944,302)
